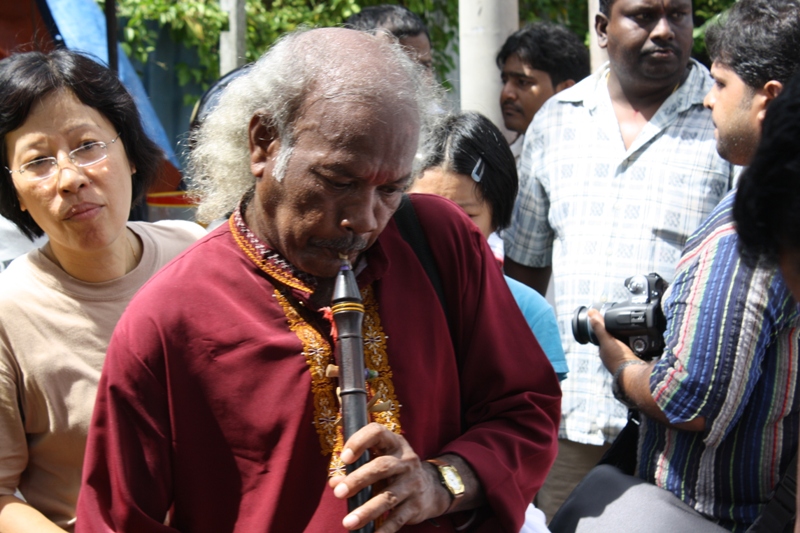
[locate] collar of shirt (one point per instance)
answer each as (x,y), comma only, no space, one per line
(691,92)
(371,264)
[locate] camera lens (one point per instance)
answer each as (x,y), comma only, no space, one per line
(581,329)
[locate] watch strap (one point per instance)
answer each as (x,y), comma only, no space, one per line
(440,465)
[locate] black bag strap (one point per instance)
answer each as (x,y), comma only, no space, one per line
(778,515)
(623,451)
(411,230)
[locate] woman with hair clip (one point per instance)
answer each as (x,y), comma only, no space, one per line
(470,163)
(74,159)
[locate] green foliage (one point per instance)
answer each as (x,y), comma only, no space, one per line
(705,12)
(574,14)
(197,24)
(269,19)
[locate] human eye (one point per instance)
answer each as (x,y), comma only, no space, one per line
(38,165)
(679,16)
(37,162)
(391,190)
(337,183)
(397,187)
(90,146)
(642,17)
(333,179)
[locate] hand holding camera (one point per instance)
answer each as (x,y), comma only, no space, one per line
(639,321)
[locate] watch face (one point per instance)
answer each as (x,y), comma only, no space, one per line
(452,480)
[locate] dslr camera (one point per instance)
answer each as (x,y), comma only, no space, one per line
(637,321)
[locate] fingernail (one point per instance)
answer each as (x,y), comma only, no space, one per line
(348,456)
(350,521)
(341,491)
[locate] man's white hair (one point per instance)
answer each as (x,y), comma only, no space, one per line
(324,62)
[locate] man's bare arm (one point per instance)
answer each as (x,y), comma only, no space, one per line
(634,379)
(534,277)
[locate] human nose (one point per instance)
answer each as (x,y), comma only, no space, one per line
(663,30)
(710,99)
(70,177)
(360,216)
(507,92)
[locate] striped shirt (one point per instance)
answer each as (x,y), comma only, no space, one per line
(601,213)
(731,357)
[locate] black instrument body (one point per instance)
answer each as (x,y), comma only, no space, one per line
(348,314)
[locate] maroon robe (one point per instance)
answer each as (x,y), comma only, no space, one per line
(206,407)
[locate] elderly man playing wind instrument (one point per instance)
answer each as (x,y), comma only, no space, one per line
(217,408)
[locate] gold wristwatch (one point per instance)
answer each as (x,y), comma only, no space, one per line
(448,475)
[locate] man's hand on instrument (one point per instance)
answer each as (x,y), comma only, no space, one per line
(411,490)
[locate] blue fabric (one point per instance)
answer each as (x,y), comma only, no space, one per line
(542,320)
(82,27)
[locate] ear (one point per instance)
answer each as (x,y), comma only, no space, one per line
(264,145)
(768,93)
(601,27)
(564,85)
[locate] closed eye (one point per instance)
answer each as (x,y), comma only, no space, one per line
(339,185)
(38,162)
(390,190)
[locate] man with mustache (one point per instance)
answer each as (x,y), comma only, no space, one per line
(218,407)
(719,410)
(536,62)
(616,173)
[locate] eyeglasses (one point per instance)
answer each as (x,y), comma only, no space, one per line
(83,156)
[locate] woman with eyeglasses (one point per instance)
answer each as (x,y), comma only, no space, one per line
(74,159)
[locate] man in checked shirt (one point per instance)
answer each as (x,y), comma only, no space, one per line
(616,173)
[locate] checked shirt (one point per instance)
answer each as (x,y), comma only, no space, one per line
(600,213)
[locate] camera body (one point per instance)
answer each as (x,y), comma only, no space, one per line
(638,321)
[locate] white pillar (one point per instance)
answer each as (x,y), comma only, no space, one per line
(598,55)
(232,42)
(484,25)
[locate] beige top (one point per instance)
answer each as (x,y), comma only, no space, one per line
(54,331)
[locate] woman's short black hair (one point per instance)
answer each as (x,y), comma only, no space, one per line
(767,207)
(27,78)
(469,143)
